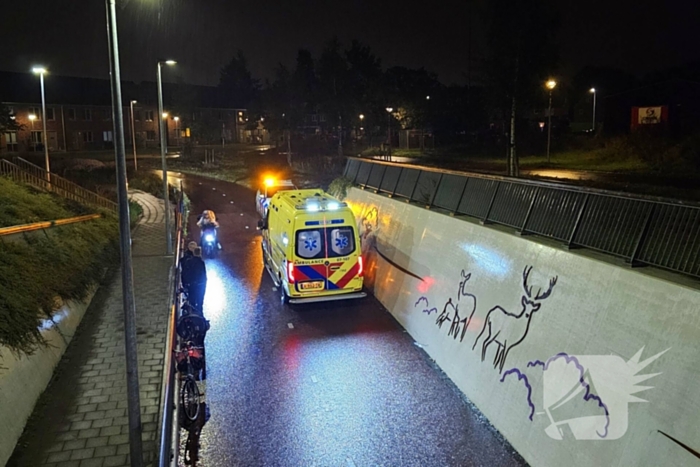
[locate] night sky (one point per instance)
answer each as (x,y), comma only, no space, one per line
(68,36)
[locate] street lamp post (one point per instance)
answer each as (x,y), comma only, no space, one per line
(551,84)
(128,304)
(163,149)
(32,117)
(133,134)
(177,129)
(592,91)
(362,127)
(41,71)
(388,126)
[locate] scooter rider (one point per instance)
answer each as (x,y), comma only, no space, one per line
(208,220)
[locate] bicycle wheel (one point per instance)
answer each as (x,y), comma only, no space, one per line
(189,398)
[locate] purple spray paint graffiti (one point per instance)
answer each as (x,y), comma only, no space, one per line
(587,396)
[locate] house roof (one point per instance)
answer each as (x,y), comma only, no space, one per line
(71,90)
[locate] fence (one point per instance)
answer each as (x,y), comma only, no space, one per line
(641,230)
(169,427)
(25,172)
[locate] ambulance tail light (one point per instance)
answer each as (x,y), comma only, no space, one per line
(290,272)
(361,268)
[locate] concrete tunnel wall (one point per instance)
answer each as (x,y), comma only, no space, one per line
(600,326)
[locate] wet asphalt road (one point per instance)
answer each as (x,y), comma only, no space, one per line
(334,384)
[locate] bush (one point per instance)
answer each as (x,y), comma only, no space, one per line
(148,182)
(36,275)
(102,180)
(662,154)
(339,187)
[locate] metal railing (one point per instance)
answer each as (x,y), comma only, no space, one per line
(642,230)
(40,178)
(168,424)
(23,228)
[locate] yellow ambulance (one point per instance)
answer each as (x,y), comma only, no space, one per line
(311,248)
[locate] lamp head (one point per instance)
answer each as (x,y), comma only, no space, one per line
(165,114)
(551,84)
(389,109)
(170,62)
(32,117)
(592,90)
(39,70)
(176,119)
(362,117)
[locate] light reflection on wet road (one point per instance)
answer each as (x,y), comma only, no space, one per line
(334,384)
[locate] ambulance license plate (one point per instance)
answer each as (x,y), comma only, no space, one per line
(315,285)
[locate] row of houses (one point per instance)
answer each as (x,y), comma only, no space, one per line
(79,114)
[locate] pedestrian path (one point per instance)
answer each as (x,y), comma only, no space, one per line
(81,419)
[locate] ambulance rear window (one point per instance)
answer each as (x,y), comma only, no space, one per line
(331,242)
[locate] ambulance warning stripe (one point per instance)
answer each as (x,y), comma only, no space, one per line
(348,276)
(318,272)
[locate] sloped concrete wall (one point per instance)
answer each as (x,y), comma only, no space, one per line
(571,342)
(24,378)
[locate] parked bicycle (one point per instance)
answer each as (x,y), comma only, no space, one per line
(190,362)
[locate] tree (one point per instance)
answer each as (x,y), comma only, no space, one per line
(408,91)
(305,81)
(237,86)
(7,120)
(333,87)
(284,108)
(365,87)
(522,56)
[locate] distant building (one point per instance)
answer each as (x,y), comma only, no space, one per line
(79,114)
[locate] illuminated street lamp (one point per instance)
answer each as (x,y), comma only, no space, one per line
(551,84)
(163,150)
(41,71)
(32,117)
(177,129)
(592,91)
(133,133)
(388,121)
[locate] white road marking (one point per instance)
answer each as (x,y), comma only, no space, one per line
(313,378)
(290,325)
(350,462)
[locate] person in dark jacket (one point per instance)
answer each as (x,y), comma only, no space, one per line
(194,278)
(184,264)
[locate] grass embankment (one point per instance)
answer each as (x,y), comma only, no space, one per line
(36,275)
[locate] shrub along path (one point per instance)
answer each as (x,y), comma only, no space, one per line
(81,419)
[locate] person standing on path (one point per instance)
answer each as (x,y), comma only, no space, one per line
(194,279)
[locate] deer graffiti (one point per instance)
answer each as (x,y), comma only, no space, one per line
(508,330)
